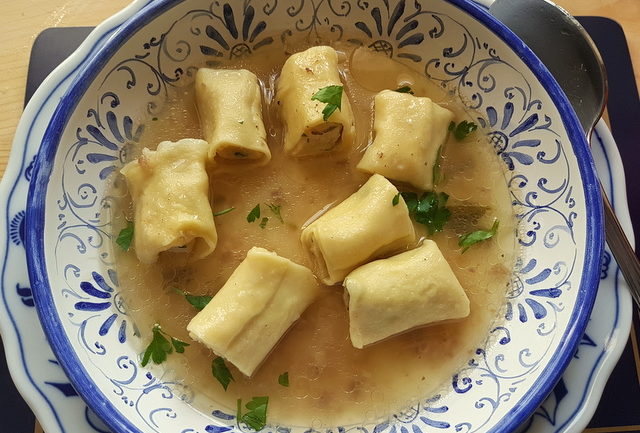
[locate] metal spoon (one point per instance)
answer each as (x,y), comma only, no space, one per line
(568,52)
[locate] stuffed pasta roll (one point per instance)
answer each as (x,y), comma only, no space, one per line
(363,227)
(170,192)
(263,297)
(393,295)
(409,132)
(306,131)
(230,108)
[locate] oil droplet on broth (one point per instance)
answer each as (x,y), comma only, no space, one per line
(331,383)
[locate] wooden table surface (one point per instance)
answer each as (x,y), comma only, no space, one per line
(22,21)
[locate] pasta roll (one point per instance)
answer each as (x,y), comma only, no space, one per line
(170,192)
(306,132)
(230,108)
(365,226)
(263,297)
(393,295)
(409,132)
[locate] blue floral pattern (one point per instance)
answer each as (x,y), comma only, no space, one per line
(446,44)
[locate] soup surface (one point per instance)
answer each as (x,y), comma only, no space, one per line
(330,382)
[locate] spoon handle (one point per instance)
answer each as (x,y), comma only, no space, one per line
(621,249)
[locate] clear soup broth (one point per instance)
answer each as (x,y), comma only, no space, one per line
(330,382)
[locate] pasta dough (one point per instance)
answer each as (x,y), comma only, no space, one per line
(230,107)
(365,226)
(252,311)
(409,132)
(306,132)
(393,295)
(170,192)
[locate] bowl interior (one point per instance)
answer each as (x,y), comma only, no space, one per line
(550,178)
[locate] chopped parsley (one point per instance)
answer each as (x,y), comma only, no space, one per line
(222,212)
(396,199)
(404,89)
(283,379)
(332,96)
(429,210)
(221,372)
(263,222)
(256,417)
(463,129)
(276,211)
(199,302)
(160,346)
(465,241)
(254,214)
(125,236)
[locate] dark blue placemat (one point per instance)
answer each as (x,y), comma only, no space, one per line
(619,410)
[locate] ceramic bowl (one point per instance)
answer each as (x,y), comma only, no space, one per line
(552,183)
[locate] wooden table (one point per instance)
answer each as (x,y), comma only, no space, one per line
(22,21)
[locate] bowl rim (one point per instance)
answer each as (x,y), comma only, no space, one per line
(35,220)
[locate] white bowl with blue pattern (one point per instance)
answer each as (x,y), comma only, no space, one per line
(551,179)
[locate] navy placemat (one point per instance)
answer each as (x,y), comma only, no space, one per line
(619,409)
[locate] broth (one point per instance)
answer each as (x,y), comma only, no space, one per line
(331,382)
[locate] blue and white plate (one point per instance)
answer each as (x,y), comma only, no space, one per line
(78,298)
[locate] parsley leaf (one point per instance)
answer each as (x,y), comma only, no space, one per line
(404,89)
(463,129)
(254,214)
(263,222)
(396,199)
(160,347)
(256,417)
(429,209)
(199,302)
(276,211)
(222,212)
(221,372)
(283,379)
(465,241)
(332,96)
(125,236)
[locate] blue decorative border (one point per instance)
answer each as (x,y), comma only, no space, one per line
(43,168)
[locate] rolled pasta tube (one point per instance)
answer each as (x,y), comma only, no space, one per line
(263,297)
(393,295)
(409,132)
(363,227)
(170,192)
(230,108)
(306,132)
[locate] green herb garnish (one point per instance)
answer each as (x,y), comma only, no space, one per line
(256,417)
(222,212)
(160,347)
(396,199)
(125,236)
(263,222)
(404,89)
(221,372)
(254,214)
(429,210)
(276,211)
(463,129)
(465,241)
(332,96)
(199,302)
(283,379)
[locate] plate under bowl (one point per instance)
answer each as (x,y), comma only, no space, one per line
(551,179)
